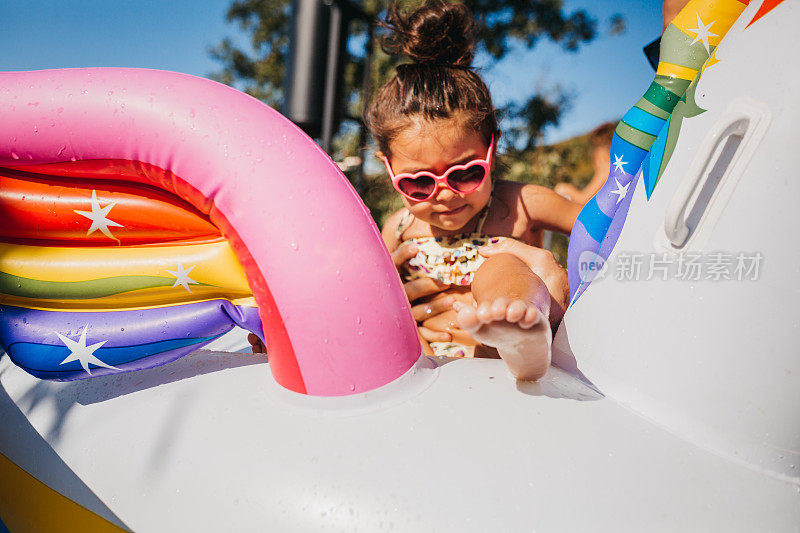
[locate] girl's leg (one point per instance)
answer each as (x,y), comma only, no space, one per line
(512,315)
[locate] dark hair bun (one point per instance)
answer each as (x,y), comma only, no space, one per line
(436,32)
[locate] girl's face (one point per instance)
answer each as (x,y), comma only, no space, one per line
(436,146)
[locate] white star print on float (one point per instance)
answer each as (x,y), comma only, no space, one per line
(622,191)
(182,276)
(80,352)
(99,217)
(702,32)
(618,163)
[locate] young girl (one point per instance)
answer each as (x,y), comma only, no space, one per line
(436,129)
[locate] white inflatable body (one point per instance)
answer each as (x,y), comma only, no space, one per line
(211,443)
(685,417)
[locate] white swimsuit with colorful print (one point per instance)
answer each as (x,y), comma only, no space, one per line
(453,259)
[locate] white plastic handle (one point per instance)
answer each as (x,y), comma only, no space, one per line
(735,123)
(745,118)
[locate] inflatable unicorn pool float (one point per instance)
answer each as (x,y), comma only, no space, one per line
(148,214)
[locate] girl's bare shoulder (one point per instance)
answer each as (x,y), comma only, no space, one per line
(543,208)
(514,192)
(509,215)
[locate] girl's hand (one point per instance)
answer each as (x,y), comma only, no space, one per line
(256,344)
(403,253)
(423,312)
(420,288)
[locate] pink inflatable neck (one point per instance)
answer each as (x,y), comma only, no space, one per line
(335,317)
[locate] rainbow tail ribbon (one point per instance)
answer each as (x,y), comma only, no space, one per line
(686,45)
(98,277)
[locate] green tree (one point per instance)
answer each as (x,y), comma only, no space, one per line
(502,24)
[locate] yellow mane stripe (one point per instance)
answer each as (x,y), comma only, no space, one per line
(214,263)
(676,71)
(722,13)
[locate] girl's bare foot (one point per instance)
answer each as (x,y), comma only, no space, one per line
(518,330)
(514,310)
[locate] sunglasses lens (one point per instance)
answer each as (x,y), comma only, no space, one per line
(417,188)
(466,180)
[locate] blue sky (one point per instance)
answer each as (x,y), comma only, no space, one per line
(606,77)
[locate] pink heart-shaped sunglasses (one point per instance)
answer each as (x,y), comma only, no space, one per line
(461,179)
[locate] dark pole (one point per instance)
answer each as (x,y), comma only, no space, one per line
(304,85)
(366,90)
(331,74)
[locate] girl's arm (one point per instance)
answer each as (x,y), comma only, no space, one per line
(548,210)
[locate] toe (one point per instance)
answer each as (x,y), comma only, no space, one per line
(485,312)
(516,311)
(499,308)
(467,317)
(532,316)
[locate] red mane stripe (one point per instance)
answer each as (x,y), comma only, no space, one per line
(765,8)
(40,207)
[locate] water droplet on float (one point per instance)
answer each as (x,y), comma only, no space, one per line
(36,129)
(352,387)
(293,245)
(14,155)
(358,320)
